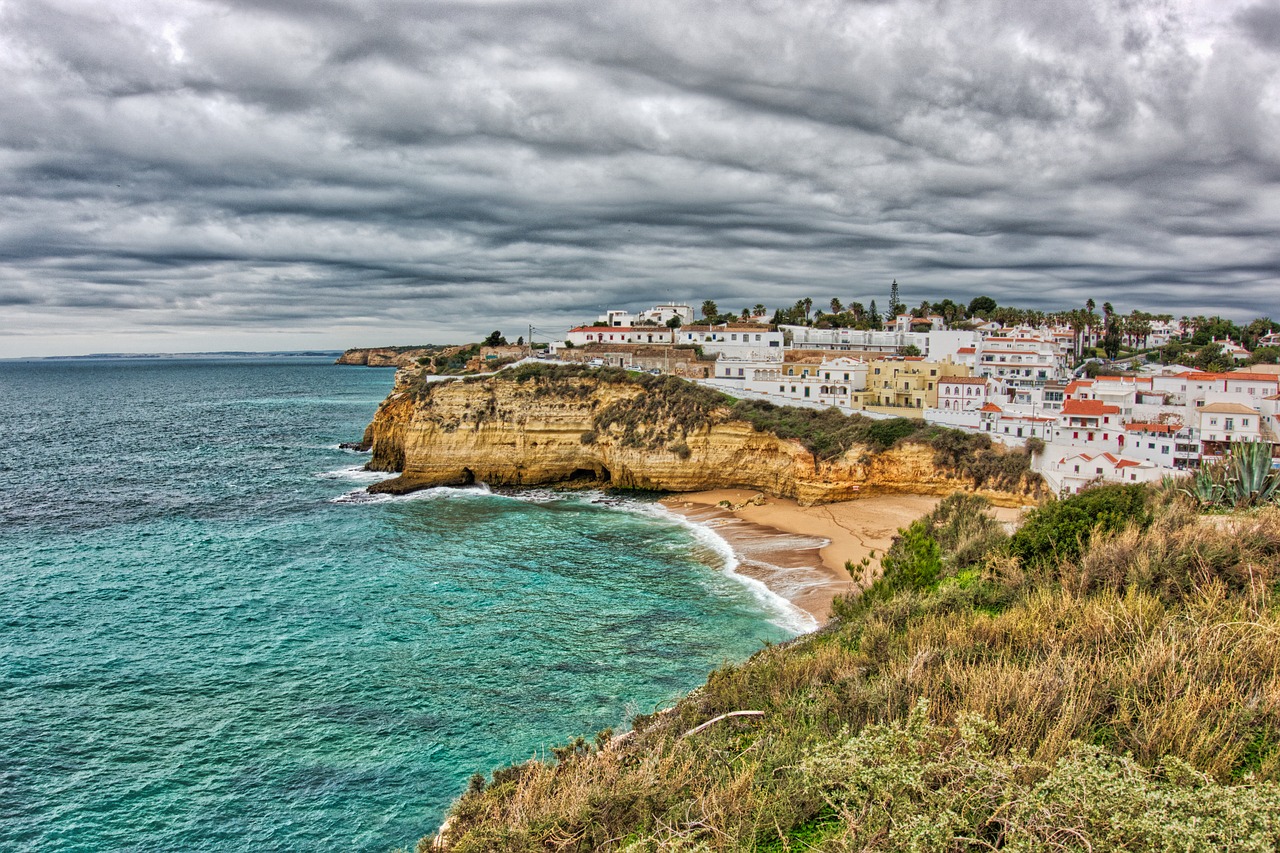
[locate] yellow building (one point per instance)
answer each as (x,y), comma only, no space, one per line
(905,382)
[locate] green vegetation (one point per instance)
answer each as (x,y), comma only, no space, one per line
(1122,695)
(1243,478)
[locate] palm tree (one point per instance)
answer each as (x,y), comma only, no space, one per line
(836,306)
(709,309)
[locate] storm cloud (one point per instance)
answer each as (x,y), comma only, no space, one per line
(186,175)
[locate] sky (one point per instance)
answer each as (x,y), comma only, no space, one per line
(181,175)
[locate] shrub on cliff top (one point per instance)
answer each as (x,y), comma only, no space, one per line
(1058,531)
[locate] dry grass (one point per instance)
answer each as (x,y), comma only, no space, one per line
(1160,643)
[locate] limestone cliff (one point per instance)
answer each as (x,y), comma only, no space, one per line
(540,430)
(386,356)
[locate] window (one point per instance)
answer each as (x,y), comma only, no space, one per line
(1165,450)
(1230,424)
(782,389)
(739,371)
(1099,470)
(1077,469)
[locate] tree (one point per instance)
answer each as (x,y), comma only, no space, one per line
(836,305)
(808,306)
(758,310)
(495,339)
(709,310)
(910,349)
(873,316)
(895,304)
(674,322)
(981,306)
(520,341)
(746,313)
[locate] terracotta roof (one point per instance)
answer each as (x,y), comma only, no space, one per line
(620,329)
(1157,428)
(1228,409)
(990,407)
(1088,408)
(965,380)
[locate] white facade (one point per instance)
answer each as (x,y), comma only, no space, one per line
(830,383)
(583,335)
(657,315)
(1067,470)
(962,393)
(743,367)
(743,340)
(1226,423)
(1019,361)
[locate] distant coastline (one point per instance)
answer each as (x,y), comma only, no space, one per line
(100,356)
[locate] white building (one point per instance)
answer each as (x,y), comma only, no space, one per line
(1090,424)
(742,367)
(962,393)
(658,315)
(745,340)
(830,383)
(1067,472)
(1223,424)
(583,335)
(1167,445)
(1019,361)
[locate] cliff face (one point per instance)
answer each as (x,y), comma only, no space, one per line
(384,356)
(504,432)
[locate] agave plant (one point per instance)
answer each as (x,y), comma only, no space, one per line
(1244,478)
(1205,488)
(1250,479)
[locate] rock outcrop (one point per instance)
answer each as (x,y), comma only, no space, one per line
(385,356)
(537,431)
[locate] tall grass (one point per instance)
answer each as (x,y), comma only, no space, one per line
(1124,696)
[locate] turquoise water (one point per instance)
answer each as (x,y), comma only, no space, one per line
(211,641)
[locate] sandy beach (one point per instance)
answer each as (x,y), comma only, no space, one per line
(800,552)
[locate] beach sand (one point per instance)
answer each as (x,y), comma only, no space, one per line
(800,552)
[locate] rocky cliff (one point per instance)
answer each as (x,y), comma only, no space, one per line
(386,356)
(553,429)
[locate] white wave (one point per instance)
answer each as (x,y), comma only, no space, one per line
(363,496)
(355,473)
(787,616)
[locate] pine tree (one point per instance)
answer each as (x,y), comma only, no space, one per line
(895,304)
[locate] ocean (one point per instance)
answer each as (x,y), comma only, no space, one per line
(212,639)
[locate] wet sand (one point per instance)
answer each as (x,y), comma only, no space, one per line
(800,552)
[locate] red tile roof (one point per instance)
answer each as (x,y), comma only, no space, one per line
(1157,428)
(1088,408)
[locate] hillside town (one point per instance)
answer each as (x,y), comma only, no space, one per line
(1025,382)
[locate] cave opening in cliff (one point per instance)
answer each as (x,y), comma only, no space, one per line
(590,475)
(468,477)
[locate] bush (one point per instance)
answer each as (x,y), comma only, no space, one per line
(1060,530)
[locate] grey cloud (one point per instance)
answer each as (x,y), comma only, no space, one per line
(276,164)
(1261,22)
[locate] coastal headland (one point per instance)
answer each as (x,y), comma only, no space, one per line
(541,425)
